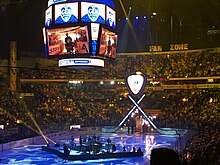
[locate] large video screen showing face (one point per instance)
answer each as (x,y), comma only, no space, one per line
(68,41)
(111,17)
(92,12)
(66,13)
(108,43)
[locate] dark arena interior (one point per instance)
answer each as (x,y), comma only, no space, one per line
(54,113)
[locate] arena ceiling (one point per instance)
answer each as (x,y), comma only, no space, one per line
(22,19)
(183,9)
(187,10)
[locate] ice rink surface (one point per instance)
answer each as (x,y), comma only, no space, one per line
(33,154)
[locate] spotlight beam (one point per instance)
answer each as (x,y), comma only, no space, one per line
(27,125)
(123,8)
(129,22)
(32,118)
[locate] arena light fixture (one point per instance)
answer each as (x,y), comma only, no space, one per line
(112,82)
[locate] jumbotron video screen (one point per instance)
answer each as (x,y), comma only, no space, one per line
(76,29)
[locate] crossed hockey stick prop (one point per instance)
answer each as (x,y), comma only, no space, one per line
(139,108)
(133,108)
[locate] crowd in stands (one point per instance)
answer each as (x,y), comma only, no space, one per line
(12,112)
(189,64)
(204,147)
(59,105)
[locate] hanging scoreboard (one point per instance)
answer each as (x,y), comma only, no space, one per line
(80,29)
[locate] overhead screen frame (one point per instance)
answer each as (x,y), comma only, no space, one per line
(79,23)
(79,62)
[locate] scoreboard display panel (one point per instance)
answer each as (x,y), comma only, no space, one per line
(48,17)
(108,43)
(80,29)
(68,41)
(92,12)
(66,13)
(110,17)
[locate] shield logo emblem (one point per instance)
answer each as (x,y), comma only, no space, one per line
(135,83)
(66,13)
